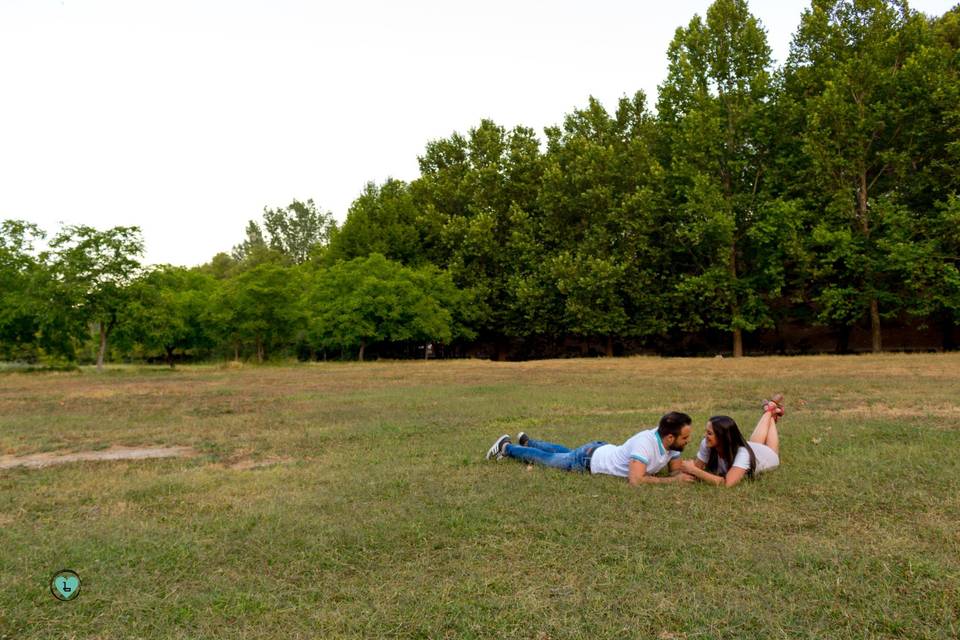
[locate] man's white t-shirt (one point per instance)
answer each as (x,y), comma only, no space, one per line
(766,457)
(646,446)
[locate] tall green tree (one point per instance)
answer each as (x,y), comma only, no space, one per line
(21,277)
(850,72)
(294,232)
(601,205)
(91,272)
(925,246)
(253,244)
(384,220)
(469,193)
(298,230)
(713,110)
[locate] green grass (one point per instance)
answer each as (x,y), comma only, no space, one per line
(386,522)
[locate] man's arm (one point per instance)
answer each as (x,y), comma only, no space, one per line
(638,475)
(676,466)
(697,471)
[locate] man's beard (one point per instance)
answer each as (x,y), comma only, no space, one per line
(676,447)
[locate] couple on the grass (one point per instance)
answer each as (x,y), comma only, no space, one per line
(724,458)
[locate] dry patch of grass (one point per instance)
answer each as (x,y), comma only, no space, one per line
(47,459)
(882,410)
(246,459)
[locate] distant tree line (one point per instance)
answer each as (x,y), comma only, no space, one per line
(821,193)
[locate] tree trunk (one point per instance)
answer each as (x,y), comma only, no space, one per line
(843,339)
(363,346)
(946,326)
(862,213)
(735,304)
(259,350)
(609,346)
(103,346)
(236,352)
(862,204)
(875,326)
(170,356)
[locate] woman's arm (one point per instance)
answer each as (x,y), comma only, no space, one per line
(734,476)
(697,471)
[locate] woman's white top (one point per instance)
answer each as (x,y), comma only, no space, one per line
(767,458)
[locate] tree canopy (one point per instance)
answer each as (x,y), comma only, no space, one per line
(751,208)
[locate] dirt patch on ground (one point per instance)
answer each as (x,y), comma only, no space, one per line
(245,464)
(244,460)
(40,460)
(241,462)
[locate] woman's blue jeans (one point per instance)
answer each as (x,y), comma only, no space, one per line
(553,455)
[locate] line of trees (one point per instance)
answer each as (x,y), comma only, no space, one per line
(823,193)
(65,303)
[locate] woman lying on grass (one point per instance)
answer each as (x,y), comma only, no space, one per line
(725,458)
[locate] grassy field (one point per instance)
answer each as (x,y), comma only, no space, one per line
(381,519)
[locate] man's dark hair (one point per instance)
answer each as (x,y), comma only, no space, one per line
(672,423)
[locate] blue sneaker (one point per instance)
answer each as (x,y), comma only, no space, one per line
(497,449)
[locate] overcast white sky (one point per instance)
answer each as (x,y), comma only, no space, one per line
(187,117)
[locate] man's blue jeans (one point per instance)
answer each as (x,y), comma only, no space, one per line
(554,455)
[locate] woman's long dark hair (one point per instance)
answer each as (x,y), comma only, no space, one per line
(729,440)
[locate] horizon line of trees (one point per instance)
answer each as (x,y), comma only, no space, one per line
(824,192)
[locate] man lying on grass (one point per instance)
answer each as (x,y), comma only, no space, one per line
(638,459)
